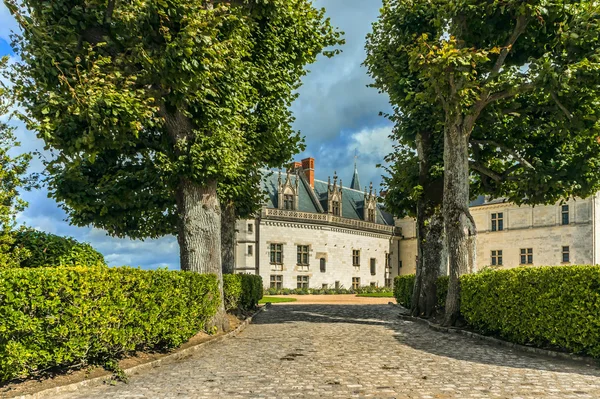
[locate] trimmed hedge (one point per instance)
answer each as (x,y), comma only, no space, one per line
(48,250)
(557,306)
(242,291)
(59,317)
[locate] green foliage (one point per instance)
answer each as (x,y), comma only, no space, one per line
(556,306)
(60,317)
(13,177)
(136,97)
(268,299)
(49,250)
(242,291)
(403,290)
(376,295)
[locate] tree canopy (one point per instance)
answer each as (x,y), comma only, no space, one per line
(133,97)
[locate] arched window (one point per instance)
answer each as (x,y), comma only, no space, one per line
(322,265)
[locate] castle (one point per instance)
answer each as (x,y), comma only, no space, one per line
(316,234)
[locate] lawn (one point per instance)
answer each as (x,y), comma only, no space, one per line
(378,295)
(276,300)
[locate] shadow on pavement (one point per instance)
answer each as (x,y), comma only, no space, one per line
(421,338)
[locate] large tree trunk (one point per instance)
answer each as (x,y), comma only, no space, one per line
(432,257)
(228,230)
(199,236)
(459,224)
(430,232)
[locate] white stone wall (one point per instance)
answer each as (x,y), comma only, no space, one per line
(246,238)
(333,244)
(525,227)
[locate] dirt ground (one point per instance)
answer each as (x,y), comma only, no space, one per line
(67,377)
(333,300)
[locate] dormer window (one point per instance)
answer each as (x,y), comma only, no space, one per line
(336,208)
(371,216)
(288,202)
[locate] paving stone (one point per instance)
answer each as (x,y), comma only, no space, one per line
(354,351)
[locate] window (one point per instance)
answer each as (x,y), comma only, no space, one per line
(322,264)
(371,215)
(497,258)
(337,285)
(288,202)
(387,260)
(355,257)
(565,215)
(250,250)
(276,254)
(250,228)
(276,281)
(355,283)
(399,266)
(388,282)
(324,286)
(566,256)
(527,256)
(373,267)
(373,284)
(302,282)
(336,208)
(303,255)
(497,221)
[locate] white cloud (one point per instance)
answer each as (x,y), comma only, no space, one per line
(7,23)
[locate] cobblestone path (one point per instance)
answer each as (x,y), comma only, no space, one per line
(354,351)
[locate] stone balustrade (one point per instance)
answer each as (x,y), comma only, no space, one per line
(325,218)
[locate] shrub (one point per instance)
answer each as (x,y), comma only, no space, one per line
(48,250)
(242,291)
(441,286)
(403,290)
(59,317)
(325,291)
(558,306)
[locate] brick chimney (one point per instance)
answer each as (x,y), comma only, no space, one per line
(296,165)
(308,165)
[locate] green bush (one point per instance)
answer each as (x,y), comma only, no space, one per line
(48,250)
(441,286)
(558,306)
(59,317)
(403,290)
(242,291)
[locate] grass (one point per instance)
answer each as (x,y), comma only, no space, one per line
(378,295)
(276,300)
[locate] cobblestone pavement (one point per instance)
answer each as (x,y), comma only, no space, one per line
(354,351)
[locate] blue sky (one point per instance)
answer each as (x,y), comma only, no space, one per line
(336,112)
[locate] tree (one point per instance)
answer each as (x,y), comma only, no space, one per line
(517,83)
(13,177)
(148,105)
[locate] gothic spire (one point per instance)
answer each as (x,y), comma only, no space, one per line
(355,184)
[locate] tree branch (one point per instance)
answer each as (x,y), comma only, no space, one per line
(486,171)
(501,95)
(561,106)
(512,152)
(519,29)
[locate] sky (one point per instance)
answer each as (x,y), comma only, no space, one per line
(336,112)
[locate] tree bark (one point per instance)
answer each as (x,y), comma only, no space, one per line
(430,233)
(228,230)
(199,236)
(459,224)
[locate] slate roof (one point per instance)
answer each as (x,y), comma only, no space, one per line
(355,184)
(352,200)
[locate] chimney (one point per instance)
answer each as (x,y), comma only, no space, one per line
(308,165)
(296,165)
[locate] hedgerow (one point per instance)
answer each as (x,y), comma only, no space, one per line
(242,291)
(557,306)
(60,317)
(45,249)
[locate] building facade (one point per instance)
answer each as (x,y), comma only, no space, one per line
(510,236)
(316,234)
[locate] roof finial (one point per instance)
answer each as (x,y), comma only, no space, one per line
(355,157)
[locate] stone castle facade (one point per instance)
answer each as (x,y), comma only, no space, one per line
(316,234)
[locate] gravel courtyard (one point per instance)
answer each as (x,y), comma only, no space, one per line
(354,351)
